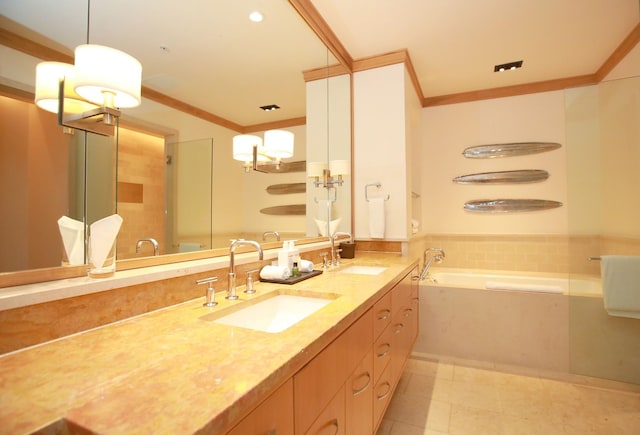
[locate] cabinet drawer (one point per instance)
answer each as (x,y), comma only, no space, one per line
(274,415)
(382,393)
(359,398)
(382,351)
(381,315)
(332,420)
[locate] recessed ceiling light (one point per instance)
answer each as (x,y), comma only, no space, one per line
(507,66)
(256,16)
(270,107)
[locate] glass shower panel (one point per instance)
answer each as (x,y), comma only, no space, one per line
(603,146)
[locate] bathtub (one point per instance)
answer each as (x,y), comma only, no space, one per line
(539,321)
(499,318)
(544,283)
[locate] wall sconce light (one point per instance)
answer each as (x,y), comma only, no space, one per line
(87,95)
(250,149)
(328,177)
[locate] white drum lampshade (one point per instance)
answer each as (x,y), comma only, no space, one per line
(48,76)
(278,144)
(243,148)
(107,76)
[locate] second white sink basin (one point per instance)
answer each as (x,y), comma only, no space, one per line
(274,314)
(364,270)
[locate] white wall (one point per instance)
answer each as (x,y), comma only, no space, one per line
(449,129)
(380,151)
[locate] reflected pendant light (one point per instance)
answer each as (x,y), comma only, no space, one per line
(278,144)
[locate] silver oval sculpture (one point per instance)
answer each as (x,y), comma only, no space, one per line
(504,177)
(510,205)
(492,151)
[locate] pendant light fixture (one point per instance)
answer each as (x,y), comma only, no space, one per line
(254,152)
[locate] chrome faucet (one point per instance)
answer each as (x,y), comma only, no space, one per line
(151,240)
(437,254)
(231,289)
(335,259)
(270,233)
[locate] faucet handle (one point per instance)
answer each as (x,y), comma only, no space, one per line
(211,293)
(250,290)
(324,260)
(338,251)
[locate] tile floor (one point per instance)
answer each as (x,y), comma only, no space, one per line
(435,398)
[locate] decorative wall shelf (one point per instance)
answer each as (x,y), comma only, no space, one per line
(492,151)
(282,210)
(509,205)
(285,188)
(504,177)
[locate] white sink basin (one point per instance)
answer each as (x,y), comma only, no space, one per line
(364,270)
(274,314)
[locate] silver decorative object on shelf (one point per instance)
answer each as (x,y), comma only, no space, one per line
(492,151)
(504,177)
(510,205)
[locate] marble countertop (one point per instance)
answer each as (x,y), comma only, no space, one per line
(174,370)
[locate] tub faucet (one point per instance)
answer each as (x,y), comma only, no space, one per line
(437,254)
(334,257)
(231,295)
(270,233)
(151,240)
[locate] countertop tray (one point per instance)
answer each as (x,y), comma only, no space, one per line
(294,279)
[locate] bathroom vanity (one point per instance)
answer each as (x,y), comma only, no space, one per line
(177,370)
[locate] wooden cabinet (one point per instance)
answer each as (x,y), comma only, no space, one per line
(273,416)
(347,387)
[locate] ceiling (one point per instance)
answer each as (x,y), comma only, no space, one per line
(454,44)
(218,61)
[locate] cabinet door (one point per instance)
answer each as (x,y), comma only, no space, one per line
(274,416)
(359,398)
(317,382)
(331,421)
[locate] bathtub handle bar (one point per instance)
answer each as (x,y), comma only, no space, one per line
(594,258)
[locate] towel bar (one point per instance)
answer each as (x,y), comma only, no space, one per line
(366,193)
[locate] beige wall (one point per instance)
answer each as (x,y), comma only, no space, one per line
(448,130)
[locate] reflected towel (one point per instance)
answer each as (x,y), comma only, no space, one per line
(305,266)
(275,272)
(621,285)
(376,218)
(72,233)
(189,247)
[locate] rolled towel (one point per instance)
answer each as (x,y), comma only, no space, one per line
(305,266)
(275,272)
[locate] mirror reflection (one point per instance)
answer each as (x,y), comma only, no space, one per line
(190,182)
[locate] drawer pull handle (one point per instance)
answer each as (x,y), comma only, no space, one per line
(399,328)
(386,350)
(358,391)
(384,314)
(408,312)
(386,393)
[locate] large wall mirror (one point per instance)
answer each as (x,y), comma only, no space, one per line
(174,160)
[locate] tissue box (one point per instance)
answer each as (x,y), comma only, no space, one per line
(348,250)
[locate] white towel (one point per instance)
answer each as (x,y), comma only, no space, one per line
(305,266)
(376,218)
(189,247)
(72,232)
(102,236)
(621,285)
(275,272)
